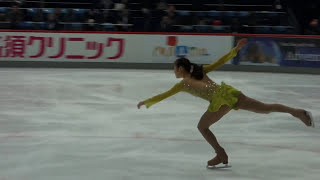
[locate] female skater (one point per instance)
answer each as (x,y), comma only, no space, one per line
(222,99)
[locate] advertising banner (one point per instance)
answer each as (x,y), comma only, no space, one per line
(280,51)
(103,47)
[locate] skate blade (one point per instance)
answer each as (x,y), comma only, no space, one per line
(311,118)
(219,167)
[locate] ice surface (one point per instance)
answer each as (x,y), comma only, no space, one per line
(83,124)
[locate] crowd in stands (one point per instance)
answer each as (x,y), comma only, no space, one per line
(230,16)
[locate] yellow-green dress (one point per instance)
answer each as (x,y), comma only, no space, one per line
(216,94)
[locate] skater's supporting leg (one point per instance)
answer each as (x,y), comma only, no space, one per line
(247,103)
(205,122)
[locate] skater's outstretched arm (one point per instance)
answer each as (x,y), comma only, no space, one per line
(149,102)
(225,58)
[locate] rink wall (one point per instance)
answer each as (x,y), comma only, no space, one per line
(78,49)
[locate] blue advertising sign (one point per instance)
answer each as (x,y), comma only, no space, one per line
(275,51)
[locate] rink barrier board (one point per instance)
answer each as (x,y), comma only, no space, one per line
(128,65)
(103,47)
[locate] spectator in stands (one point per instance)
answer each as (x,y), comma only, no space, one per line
(172,15)
(91,20)
(146,5)
(124,19)
(99,18)
(52,22)
(20,3)
(313,28)
(69,17)
(252,19)
(147,16)
(166,24)
(161,9)
(156,15)
(59,16)
(202,22)
(38,17)
(162,5)
(109,17)
(15,17)
(3,17)
(123,4)
(107,4)
(217,22)
(277,5)
(311,11)
(236,26)
(3,23)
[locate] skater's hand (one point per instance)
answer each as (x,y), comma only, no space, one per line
(241,43)
(140,104)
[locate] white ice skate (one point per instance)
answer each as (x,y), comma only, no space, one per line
(219,166)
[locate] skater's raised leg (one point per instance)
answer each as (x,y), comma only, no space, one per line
(247,103)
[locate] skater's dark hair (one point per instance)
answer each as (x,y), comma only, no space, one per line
(195,70)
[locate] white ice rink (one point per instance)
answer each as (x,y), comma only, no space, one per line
(83,124)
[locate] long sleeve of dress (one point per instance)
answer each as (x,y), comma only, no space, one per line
(220,62)
(174,90)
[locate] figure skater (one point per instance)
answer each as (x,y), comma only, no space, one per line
(222,98)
